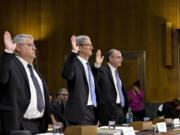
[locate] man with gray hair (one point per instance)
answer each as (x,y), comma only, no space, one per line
(23,92)
(113,101)
(57,108)
(81,107)
(62,95)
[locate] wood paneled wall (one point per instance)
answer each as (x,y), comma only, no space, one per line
(121,24)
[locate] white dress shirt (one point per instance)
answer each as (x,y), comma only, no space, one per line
(83,61)
(118,100)
(32,111)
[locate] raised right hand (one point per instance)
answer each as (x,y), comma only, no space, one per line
(9,45)
(99,58)
(73,43)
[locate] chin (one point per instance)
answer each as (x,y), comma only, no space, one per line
(90,53)
(119,65)
(34,56)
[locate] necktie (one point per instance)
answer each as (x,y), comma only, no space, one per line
(92,87)
(40,103)
(119,86)
(62,107)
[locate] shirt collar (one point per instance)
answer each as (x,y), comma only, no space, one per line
(22,61)
(111,67)
(82,59)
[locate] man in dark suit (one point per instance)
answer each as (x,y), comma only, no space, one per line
(23,91)
(81,107)
(57,108)
(113,96)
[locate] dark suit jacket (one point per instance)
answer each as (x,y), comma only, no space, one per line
(57,110)
(74,73)
(108,93)
(15,94)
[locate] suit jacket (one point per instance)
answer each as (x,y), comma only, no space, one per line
(108,94)
(15,94)
(74,73)
(57,110)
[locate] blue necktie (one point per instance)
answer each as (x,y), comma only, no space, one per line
(119,86)
(92,87)
(40,102)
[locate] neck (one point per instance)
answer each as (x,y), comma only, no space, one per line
(113,65)
(28,60)
(84,57)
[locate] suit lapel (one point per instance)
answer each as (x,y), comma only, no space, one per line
(84,73)
(22,70)
(82,69)
(21,67)
(110,74)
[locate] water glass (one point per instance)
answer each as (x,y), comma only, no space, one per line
(57,130)
(112,124)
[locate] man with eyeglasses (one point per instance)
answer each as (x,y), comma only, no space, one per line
(62,95)
(23,92)
(57,108)
(81,107)
(113,96)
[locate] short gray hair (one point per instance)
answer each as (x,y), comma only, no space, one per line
(21,39)
(110,53)
(61,90)
(80,39)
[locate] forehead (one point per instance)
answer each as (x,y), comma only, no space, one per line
(87,41)
(117,53)
(65,91)
(29,40)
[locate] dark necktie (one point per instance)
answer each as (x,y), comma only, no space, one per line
(40,102)
(92,86)
(62,107)
(119,86)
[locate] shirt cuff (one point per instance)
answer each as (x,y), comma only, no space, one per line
(97,65)
(8,51)
(74,51)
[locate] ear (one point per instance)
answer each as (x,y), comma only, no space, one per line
(110,58)
(80,47)
(18,48)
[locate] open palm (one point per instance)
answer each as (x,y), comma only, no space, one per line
(9,45)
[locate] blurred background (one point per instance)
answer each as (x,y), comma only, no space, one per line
(146,31)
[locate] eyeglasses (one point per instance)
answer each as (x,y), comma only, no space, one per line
(89,45)
(119,57)
(65,95)
(31,45)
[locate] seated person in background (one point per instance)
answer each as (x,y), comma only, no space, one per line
(57,108)
(50,98)
(135,98)
(170,109)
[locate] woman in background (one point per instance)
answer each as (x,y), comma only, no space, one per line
(169,109)
(135,98)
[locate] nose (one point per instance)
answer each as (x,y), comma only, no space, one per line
(34,47)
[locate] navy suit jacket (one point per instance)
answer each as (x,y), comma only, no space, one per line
(15,94)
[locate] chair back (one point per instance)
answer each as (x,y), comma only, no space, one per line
(20,132)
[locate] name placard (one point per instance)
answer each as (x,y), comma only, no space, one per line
(161,127)
(176,122)
(128,131)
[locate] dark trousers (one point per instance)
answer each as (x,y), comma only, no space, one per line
(31,125)
(117,115)
(89,117)
(138,115)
